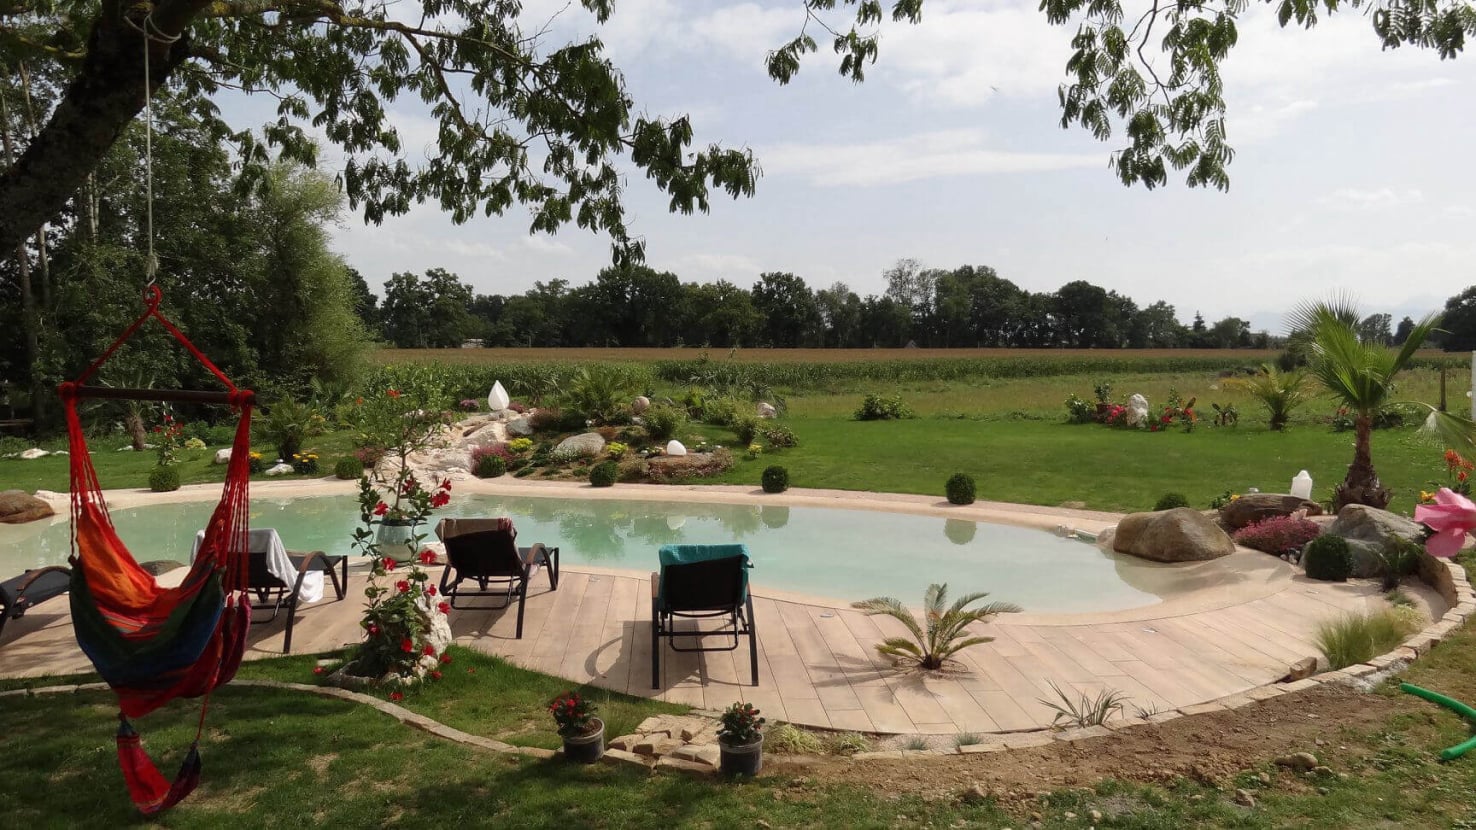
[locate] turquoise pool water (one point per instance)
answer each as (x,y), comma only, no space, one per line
(841,554)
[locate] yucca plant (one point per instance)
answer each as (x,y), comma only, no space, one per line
(1280,392)
(1361,376)
(944,634)
(1084,709)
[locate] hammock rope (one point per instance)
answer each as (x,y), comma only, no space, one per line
(154,644)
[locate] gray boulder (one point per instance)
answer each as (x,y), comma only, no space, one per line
(767,410)
(584,445)
(1368,558)
(1182,534)
(1370,533)
(19,507)
(280,470)
(640,404)
(520,427)
(1253,507)
(222,456)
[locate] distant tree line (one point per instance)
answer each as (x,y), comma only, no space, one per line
(965,307)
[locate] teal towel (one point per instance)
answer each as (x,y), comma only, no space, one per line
(686,554)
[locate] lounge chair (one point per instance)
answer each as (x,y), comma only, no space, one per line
(702,582)
(485,552)
(21,593)
(284,579)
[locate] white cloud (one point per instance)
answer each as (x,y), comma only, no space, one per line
(544,244)
(944,153)
(732,267)
(1384,198)
(1460,211)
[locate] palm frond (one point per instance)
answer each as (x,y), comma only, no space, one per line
(1453,431)
(950,649)
(1416,339)
(899,647)
(891,607)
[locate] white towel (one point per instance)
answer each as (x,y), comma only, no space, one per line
(277,562)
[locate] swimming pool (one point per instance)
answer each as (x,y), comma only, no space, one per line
(841,554)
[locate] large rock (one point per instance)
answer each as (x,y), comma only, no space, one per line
(280,470)
(520,427)
(33,453)
(1359,521)
(584,445)
(767,410)
(1179,535)
(19,507)
(1367,558)
(640,404)
(222,456)
(1137,411)
(1253,507)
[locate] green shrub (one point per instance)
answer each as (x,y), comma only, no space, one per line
(663,421)
(600,392)
(879,408)
(1079,411)
(348,468)
(163,479)
(1280,392)
(778,435)
(848,743)
(746,429)
(1171,500)
(604,474)
(775,479)
(1358,638)
(1327,558)
(490,466)
(960,489)
(723,412)
(287,424)
(784,739)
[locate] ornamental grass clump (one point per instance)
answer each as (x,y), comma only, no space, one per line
(1358,638)
(1278,535)
(942,635)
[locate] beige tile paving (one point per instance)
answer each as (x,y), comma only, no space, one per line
(817,663)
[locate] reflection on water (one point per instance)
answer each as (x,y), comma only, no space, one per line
(842,554)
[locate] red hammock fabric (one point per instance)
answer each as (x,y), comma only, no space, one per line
(155,644)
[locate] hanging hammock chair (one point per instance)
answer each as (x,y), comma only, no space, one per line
(154,644)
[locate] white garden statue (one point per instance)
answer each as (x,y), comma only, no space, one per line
(1137,411)
(497,399)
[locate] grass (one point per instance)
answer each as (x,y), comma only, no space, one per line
(1084,709)
(1357,638)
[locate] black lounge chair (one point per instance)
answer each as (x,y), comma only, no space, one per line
(702,582)
(272,589)
(21,593)
(485,552)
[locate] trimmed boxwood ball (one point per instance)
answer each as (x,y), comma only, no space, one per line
(348,468)
(960,489)
(604,474)
(776,479)
(1327,558)
(1171,500)
(490,466)
(163,479)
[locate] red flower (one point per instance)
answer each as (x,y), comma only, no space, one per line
(436,673)
(430,590)
(393,393)
(317,669)
(397,696)
(403,586)
(1153,428)
(409,486)
(428,651)
(388,563)
(440,499)
(427,557)
(446,484)
(1461,476)
(407,646)
(381,509)
(445,658)
(444,608)
(373,630)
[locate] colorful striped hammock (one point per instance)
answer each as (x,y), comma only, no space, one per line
(154,644)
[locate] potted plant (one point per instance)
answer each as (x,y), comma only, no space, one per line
(741,740)
(583,733)
(397,425)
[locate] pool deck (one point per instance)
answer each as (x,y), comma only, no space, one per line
(1247,621)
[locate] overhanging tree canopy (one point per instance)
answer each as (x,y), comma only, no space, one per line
(521,124)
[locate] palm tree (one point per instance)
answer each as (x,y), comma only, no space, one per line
(1361,376)
(945,628)
(1280,392)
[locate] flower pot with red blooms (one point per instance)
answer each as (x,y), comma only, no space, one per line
(741,741)
(396,539)
(583,733)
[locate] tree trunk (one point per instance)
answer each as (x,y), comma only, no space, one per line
(133,423)
(1362,484)
(107,94)
(29,324)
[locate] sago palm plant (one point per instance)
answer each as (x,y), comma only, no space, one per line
(1361,376)
(1280,392)
(943,632)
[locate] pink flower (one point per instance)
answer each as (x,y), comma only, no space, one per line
(1452,516)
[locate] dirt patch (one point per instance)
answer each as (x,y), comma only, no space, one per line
(1211,749)
(319,763)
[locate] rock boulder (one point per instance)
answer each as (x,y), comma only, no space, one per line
(767,410)
(1370,524)
(1182,534)
(584,445)
(222,456)
(1253,507)
(19,507)
(520,427)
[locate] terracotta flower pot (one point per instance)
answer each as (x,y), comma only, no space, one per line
(586,748)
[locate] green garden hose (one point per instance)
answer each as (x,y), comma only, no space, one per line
(1455,706)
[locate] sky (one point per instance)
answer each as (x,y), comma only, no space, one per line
(1352,168)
